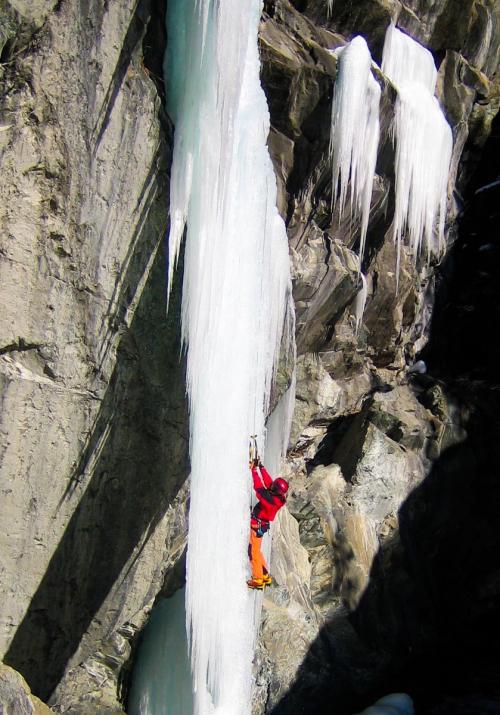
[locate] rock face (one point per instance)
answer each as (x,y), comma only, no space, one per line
(15,695)
(374,438)
(93,508)
(392,469)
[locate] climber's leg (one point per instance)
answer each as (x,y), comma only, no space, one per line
(256,559)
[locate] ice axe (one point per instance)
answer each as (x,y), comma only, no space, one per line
(253,452)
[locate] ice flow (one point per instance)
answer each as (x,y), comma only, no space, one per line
(423,142)
(236,301)
(354,134)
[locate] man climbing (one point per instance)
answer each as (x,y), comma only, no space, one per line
(271,497)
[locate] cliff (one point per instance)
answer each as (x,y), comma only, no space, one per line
(388,541)
(94,418)
(391,426)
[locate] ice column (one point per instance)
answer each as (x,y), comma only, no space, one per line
(355,132)
(236,301)
(423,145)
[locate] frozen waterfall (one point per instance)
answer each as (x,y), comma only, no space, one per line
(236,302)
(355,132)
(423,145)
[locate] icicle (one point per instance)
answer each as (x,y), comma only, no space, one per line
(355,132)
(423,146)
(236,294)
(360,302)
(329,7)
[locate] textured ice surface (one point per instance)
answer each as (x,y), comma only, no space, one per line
(236,301)
(278,429)
(355,132)
(423,145)
(405,60)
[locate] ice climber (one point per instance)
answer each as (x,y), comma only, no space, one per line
(271,497)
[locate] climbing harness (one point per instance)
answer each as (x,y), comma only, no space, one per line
(263,526)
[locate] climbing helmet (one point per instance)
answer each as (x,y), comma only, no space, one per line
(280,486)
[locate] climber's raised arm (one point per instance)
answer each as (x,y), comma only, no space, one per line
(260,475)
(266,478)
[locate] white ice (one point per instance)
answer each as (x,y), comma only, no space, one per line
(236,300)
(423,142)
(355,131)
(360,302)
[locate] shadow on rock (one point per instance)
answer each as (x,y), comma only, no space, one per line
(135,461)
(426,623)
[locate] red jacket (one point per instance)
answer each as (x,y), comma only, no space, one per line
(269,503)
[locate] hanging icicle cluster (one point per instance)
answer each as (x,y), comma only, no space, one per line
(236,300)
(355,132)
(423,145)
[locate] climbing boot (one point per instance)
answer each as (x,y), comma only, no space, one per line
(267,580)
(256,583)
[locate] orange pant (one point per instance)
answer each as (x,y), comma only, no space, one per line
(257,560)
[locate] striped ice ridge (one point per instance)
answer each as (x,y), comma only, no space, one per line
(236,302)
(423,142)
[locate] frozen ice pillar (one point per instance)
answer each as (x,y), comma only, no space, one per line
(423,145)
(236,302)
(355,132)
